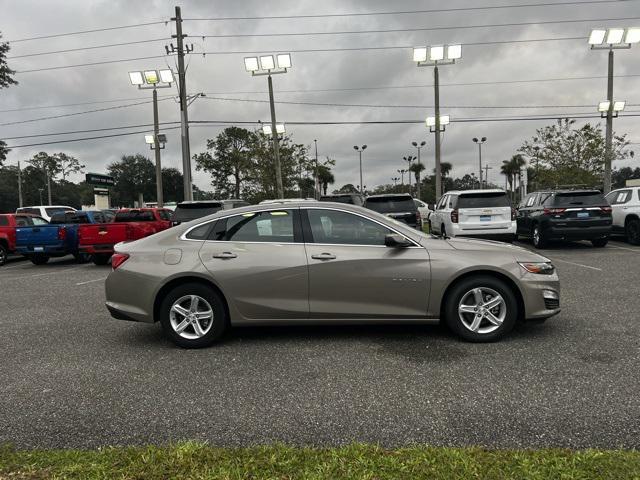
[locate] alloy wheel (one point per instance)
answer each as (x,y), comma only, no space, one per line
(191,317)
(482,310)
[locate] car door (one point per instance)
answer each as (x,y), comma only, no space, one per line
(353,275)
(259,261)
(618,201)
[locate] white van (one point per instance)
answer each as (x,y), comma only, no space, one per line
(475,213)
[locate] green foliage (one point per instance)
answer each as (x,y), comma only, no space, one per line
(133,175)
(3,152)
(358,461)
(619,177)
(172,185)
(8,189)
(564,155)
(241,165)
(6,73)
(348,188)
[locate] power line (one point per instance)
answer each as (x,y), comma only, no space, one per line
(92,130)
(76,113)
(104,62)
(64,105)
(94,47)
(425,29)
(410,12)
(84,138)
(80,32)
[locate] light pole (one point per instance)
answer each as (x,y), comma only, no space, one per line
(152,80)
(611,39)
(401,172)
(267,65)
(40,190)
(19,185)
(486,174)
(395,181)
(360,150)
(315,182)
(434,56)
(418,147)
(409,160)
(480,142)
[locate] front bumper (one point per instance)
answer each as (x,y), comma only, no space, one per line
(535,288)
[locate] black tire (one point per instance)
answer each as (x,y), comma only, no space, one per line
(39,259)
(461,288)
(538,238)
(82,257)
(3,254)
(443,231)
(600,242)
(219,322)
(632,231)
(430,228)
(101,258)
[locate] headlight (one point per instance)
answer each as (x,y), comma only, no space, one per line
(542,268)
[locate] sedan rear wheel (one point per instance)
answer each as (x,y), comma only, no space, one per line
(193,316)
(481,309)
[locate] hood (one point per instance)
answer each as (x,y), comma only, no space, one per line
(519,253)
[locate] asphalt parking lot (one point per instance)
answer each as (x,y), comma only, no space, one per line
(70,376)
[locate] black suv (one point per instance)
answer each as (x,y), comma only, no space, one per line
(350,198)
(399,206)
(565,215)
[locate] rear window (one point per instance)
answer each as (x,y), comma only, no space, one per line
(483,200)
(164,214)
(61,218)
(191,211)
(579,198)
(134,216)
(52,211)
(32,211)
(391,204)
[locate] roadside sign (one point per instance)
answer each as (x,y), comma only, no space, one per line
(99,179)
(101,191)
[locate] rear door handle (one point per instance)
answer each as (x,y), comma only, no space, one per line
(225,255)
(324,256)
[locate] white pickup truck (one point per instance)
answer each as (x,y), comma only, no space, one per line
(625,203)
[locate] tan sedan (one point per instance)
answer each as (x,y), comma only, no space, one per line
(308,263)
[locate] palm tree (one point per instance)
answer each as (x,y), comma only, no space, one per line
(416,168)
(325,177)
(512,169)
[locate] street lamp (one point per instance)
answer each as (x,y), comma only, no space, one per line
(267,129)
(605,106)
(611,39)
(401,172)
(267,65)
(360,150)
(409,160)
(154,79)
(418,147)
(480,142)
(433,56)
(395,180)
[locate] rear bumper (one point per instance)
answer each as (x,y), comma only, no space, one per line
(501,237)
(97,249)
(503,230)
(577,232)
(51,251)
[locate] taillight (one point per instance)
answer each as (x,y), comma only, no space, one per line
(454,216)
(553,211)
(513,213)
(118,259)
(62,233)
(606,209)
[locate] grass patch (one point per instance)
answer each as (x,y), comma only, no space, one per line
(200,461)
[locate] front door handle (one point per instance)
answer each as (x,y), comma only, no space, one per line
(324,256)
(225,255)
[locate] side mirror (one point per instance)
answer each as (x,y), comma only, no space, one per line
(431,206)
(397,241)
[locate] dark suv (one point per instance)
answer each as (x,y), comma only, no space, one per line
(399,206)
(565,215)
(350,198)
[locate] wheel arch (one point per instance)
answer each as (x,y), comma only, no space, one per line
(490,273)
(181,280)
(631,216)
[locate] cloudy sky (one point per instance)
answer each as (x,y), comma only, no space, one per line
(473,88)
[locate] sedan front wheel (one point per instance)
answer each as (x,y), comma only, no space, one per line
(481,309)
(193,315)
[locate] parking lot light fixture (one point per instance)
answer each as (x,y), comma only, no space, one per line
(267,130)
(597,36)
(151,77)
(166,76)
(136,78)
(615,36)
(433,56)
(632,36)
(266,65)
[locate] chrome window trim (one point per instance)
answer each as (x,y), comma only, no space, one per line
(184,235)
(315,207)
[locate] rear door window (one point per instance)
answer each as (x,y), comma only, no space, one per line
(618,198)
(275,226)
(483,200)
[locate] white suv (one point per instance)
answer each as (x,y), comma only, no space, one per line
(474,213)
(625,206)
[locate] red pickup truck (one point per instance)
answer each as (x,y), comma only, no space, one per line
(8,224)
(128,224)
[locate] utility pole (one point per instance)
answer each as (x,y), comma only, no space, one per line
(315,183)
(46,173)
(274,135)
(486,174)
(19,185)
(156,145)
(184,117)
(436,84)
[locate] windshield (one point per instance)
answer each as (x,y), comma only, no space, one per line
(579,198)
(390,204)
(483,200)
